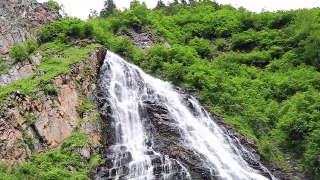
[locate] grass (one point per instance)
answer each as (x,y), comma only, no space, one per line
(56,164)
(57,61)
(4,68)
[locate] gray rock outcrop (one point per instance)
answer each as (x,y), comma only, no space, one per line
(39,125)
(19,20)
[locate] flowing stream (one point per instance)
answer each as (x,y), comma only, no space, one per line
(135,154)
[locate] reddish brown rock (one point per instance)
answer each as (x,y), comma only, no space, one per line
(11,148)
(60,117)
(51,118)
(37,104)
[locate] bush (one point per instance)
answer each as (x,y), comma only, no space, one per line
(54,5)
(244,41)
(31,45)
(50,90)
(202,46)
(19,52)
(65,29)
(4,68)
(220,43)
(78,139)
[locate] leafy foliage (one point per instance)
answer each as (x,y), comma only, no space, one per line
(22,52)
(259,71)
(55,164)
(109,7)
(19,52)
(54,5)
(4,68)
(63,30)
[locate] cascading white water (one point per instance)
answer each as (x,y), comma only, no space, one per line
(128,86)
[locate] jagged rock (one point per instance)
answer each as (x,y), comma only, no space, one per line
(19,20)
(36,59)
(11,148)
(143,39)
(55,117)
(19,71)
(56,124)
(140,38)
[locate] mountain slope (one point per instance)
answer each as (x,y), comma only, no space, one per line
(260,72)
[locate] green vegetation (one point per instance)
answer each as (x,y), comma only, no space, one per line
(57,59)
(85,106)
(22,52)
(54,5)
(63,30)
(62,163)
(109,7)
(19,53)
(259,71)
(4,68)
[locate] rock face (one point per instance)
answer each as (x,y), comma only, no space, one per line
(20,70)
(19,19)
(38,125)
(143,39)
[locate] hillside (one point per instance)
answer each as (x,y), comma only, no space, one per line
(258,72)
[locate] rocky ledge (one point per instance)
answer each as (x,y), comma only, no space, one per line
(19,20)
(29,125)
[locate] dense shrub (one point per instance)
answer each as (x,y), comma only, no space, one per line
(53,165)
(19,52)
(54,5)
(4,68)
(202,46)
(263,74)
(64,29)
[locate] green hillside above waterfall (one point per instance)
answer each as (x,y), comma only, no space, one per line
(259,72)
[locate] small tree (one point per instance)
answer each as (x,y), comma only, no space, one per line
(160,4)
(54,5)
(93,14)
(109,7)
(183,1)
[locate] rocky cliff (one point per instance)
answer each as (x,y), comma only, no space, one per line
(40,123)
(20,19)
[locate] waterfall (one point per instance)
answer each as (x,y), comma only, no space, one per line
(160,133)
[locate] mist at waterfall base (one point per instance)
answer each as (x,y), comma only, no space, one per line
(140,151)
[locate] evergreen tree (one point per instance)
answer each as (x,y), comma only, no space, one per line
(183,1)
(134,3)
(160,4)
(93,13)
(108,8)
